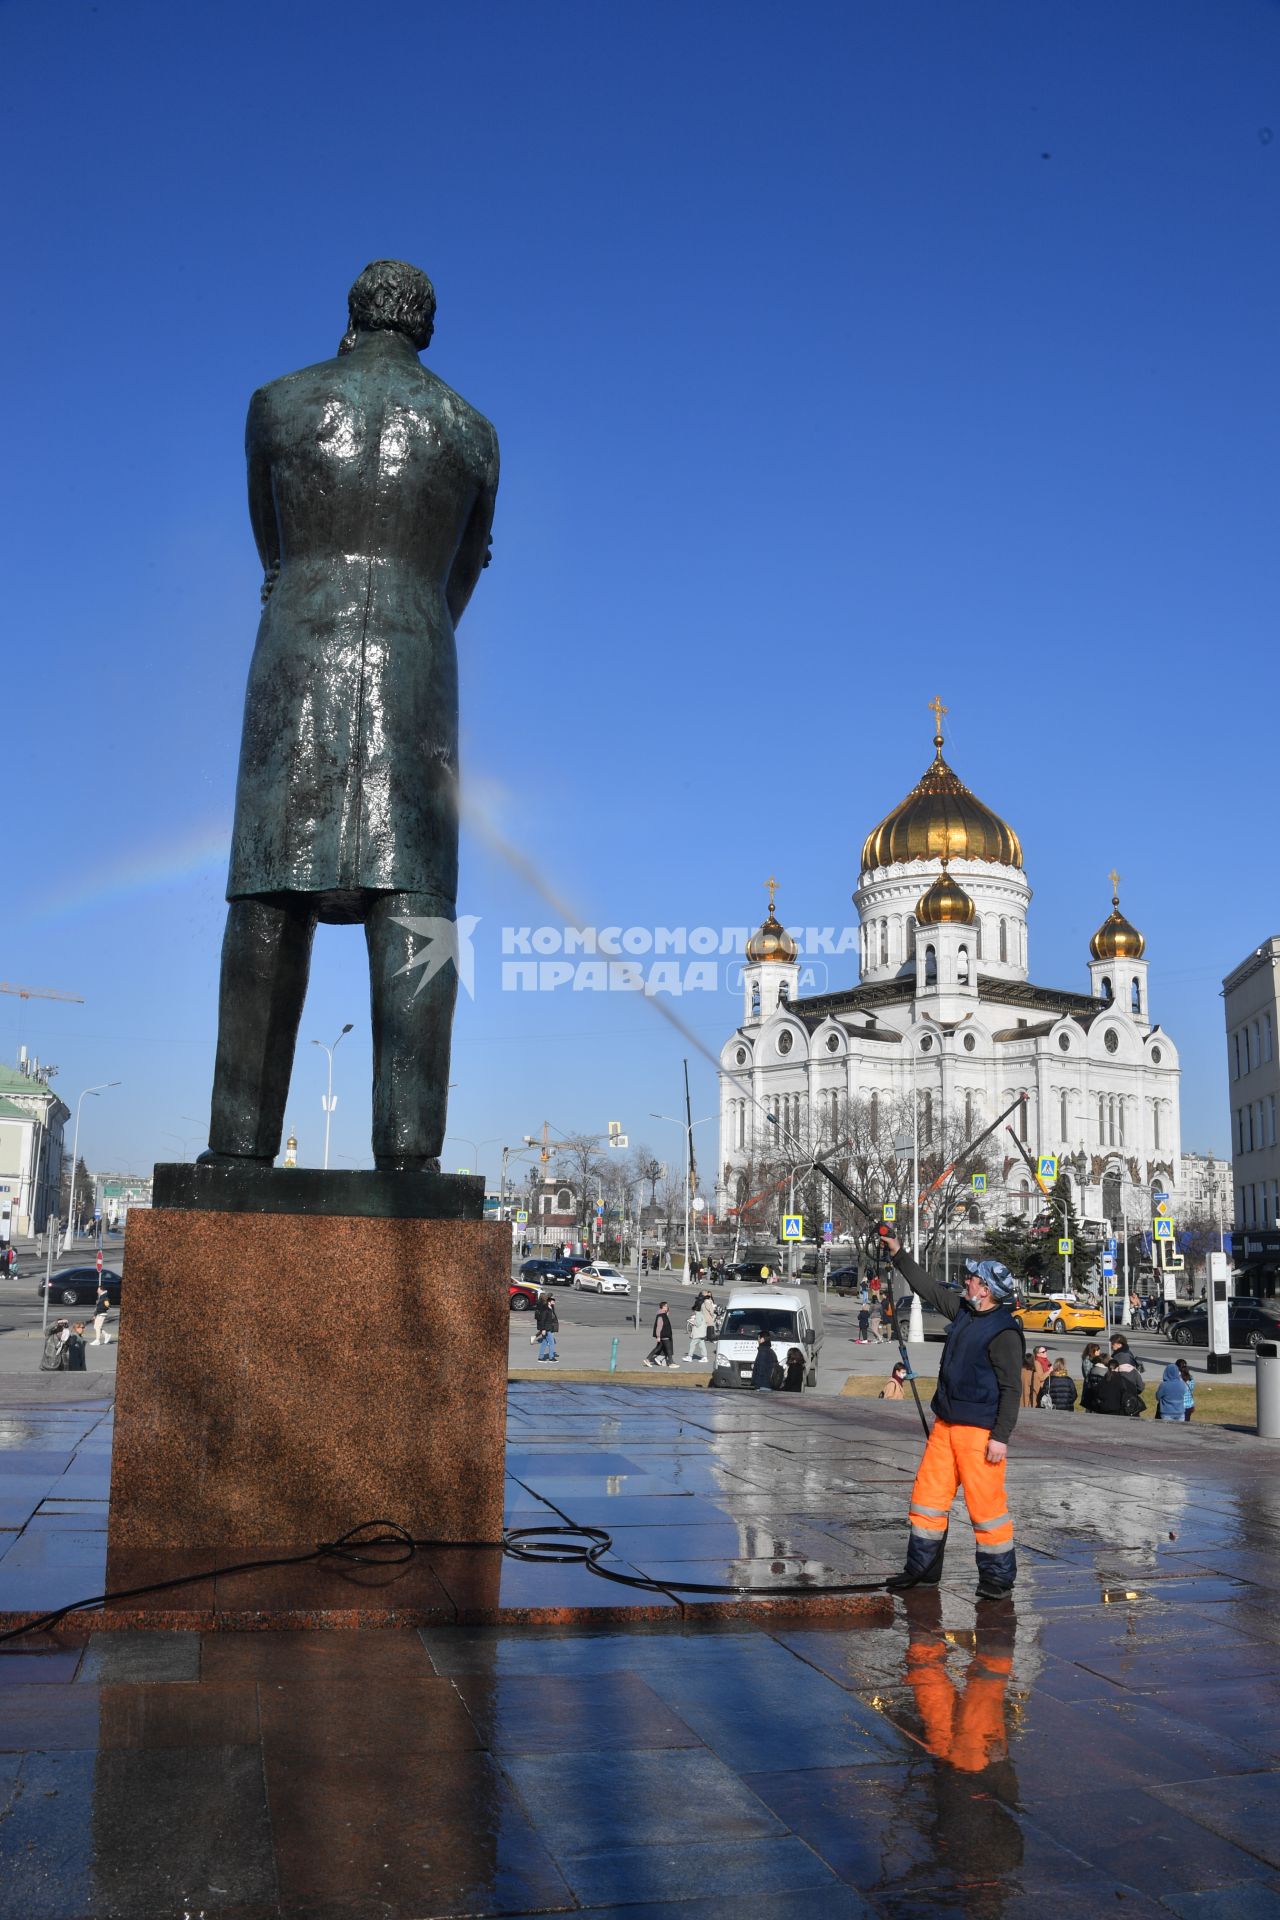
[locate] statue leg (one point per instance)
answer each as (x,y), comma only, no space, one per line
(266,956)
(412,1007)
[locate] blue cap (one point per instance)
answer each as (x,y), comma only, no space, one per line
(997,1276)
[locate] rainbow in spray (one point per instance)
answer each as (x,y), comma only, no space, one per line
(198,851)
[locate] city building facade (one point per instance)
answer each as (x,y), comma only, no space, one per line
(32,1118)
(1252,1014)
(945,1020)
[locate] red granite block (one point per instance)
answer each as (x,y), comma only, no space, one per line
(287,1376)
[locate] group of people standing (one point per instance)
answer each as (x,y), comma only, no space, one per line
(1110,1383)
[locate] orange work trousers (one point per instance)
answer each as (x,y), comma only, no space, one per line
(956,1457)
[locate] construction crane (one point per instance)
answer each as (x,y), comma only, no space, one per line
(40,993)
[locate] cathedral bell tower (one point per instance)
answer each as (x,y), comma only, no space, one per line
(771,976)
(946,949)
(1117,970)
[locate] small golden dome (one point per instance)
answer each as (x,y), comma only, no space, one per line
(771,942)
(939,816)
(1117,938)
(945,903)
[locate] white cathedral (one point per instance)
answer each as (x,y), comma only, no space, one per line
(945,1009)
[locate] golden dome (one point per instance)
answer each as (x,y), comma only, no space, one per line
(1117,938)
(939,816)
(771,942)
(945,903)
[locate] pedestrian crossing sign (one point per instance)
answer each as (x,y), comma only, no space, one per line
(979,1183)
(1163,1227)
(522,1219)
(1047,1168)
(888,1213)
(793,1226)
(1066,1246)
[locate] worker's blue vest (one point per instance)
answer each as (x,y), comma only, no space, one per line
(968,1393)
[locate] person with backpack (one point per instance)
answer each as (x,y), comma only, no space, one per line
(1121,1392)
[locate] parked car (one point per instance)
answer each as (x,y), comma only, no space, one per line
(763,1270)
(1054,1313)
(1246,1325)
(547,1273)
(600,1277)
(522,1298)
(78,1286)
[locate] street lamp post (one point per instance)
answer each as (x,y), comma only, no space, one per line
(75,1157)
(330,1100)
(688,1134)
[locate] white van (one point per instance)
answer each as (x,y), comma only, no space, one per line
(791,1316)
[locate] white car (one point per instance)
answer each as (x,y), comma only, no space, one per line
(601,1278)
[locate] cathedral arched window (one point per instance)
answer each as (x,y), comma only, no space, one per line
(977,939)
(962,966)
(874,1115)
(1004,940)
(926,1122)
(1106,988)
(1155,1123)
(884,943)
(784,993)
(1062,1118)
(755,998)
(1102,1120)
(930,964)
(1135,998)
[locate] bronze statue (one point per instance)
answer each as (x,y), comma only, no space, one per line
(371,493)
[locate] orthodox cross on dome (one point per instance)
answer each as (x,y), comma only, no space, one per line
(1114,878)
(937,709)
(772,885)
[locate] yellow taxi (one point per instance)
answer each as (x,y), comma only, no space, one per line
(1050,1313)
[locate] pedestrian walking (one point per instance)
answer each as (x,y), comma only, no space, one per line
(1189,1385)
(697,1329)
(976,1404)
(74,1350)
(765,1370)
(793,1379)
(864,1325)
(547,1321)
(874,1326)
(662,1352)
(100,1309)
(1059,1390)
(895,1387)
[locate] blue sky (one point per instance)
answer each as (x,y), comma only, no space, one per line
(840,355)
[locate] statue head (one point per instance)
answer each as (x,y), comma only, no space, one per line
(391,297)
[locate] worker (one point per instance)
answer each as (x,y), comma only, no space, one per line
(976,1407)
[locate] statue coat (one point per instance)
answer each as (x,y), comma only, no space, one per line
(371,492)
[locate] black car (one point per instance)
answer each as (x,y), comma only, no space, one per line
(78,1286)
(764,1270)
(1245,1326)
(844,1280)
(548,1273)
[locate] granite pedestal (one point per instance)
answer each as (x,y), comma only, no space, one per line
(284,1376)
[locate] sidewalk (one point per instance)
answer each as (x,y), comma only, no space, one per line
(1111,1743)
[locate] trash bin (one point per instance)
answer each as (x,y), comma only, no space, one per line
(1268,1355)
